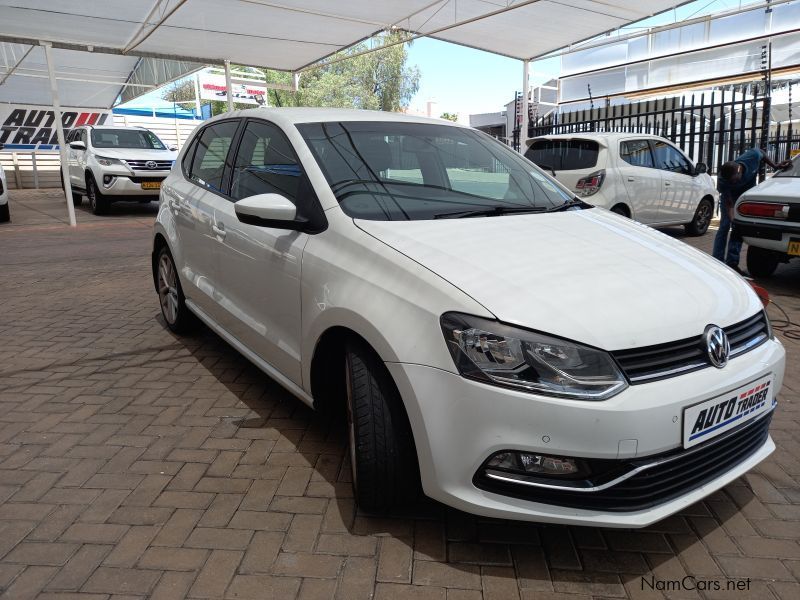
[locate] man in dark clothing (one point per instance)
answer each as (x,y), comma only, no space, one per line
(735,178)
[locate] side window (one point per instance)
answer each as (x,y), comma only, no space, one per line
(189,156)
(265,164)
(636,153)
(669,159)
(211,155)
(83,137)
(70,137)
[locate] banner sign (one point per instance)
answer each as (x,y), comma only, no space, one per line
(245,91)
(25,127)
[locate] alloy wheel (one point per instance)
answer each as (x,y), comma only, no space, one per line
(168,289)
(703,216)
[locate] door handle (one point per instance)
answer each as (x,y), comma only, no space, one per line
(219,231)
(667,183)
(631,179)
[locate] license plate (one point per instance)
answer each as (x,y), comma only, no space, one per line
(708,419)
(794,246)
(151,185)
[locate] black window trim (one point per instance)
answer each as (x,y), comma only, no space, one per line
(647,141)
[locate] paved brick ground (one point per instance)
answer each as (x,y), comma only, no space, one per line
(134,463)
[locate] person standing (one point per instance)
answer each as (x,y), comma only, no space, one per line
(735,178)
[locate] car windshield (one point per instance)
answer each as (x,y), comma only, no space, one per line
(126,138)
(389,171)
(792,171)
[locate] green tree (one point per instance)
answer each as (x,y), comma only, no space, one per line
(449,116)
(380,80)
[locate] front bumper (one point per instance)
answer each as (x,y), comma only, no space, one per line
(458,423)
(770,236)
(131,185)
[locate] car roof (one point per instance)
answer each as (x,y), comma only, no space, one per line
(297,115)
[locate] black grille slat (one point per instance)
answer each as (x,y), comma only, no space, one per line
(686,471)
(651,363)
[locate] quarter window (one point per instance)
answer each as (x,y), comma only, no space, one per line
(564,154)
(636,153)
(668,158)
(265,164)
(211,155)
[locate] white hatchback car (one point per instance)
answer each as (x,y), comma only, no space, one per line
(108,164)
(639,176)
(519,352)
(768,218)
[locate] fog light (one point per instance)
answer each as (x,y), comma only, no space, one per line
(107,179)
(530,463)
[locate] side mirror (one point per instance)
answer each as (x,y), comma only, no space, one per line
(700,168)
(269,210)
(77,145)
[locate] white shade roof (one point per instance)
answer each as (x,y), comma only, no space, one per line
(290,34)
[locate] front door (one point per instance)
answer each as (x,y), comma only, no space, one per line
(681,191)
(643,182)
(192,199)
(260,266)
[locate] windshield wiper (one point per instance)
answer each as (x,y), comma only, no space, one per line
(574,203)
(490,212)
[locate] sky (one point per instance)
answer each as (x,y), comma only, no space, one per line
(466,81)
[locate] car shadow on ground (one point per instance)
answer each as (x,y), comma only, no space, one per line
(537,556)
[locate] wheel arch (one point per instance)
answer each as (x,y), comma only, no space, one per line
(623,206)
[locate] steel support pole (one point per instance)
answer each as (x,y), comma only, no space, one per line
(228,85)
(523,130)
(62,144)
(197,107)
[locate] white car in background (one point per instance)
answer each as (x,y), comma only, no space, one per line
(768,218)
(521,353)
(5,213)
(643,177)
(107,164)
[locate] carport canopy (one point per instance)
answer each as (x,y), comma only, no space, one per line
(95,52)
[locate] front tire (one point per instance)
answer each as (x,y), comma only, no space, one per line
(97,202)
(382,452)
(620,209)
(702,218)
(762,262)
(170,294)
(5,213)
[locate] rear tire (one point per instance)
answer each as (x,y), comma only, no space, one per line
(97,202)
(170,295)
(702,218)
(620,210)
(5,213)
(762,262)
(77,199)
(382,453)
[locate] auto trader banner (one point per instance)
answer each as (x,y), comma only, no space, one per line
(245,91)
(26,127)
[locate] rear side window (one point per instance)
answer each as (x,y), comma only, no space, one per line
(564,155)
(636,153)
(211,155)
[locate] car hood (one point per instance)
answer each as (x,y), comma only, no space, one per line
(774,188)
(136,154)
(588,275)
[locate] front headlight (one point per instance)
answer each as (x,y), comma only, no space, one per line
(106,161)
(496,353)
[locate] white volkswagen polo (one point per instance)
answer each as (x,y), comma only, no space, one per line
(489,336)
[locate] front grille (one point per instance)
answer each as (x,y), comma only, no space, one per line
(651,363)
(672,475)
(759,231)
(141,165)
(141,179)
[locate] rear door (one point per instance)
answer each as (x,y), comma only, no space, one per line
(192,200)
(681,190)
(642,180)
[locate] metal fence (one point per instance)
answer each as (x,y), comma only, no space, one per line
(710,127)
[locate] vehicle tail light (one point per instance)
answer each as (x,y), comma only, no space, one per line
(765,210)
(590,184)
